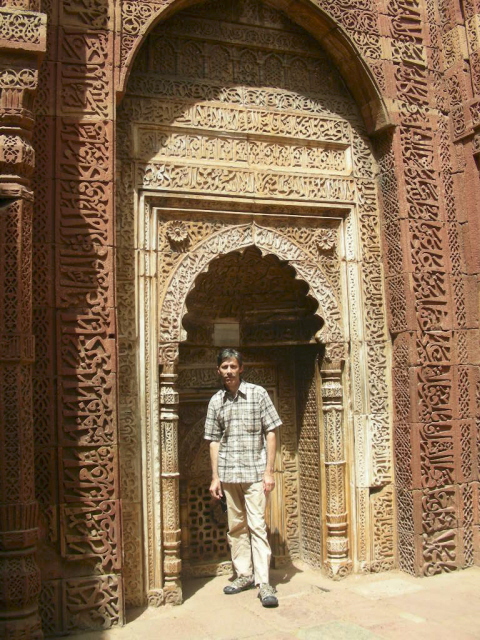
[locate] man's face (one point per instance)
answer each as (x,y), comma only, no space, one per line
(230,372)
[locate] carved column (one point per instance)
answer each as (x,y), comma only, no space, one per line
(338,561)
(170,492)
(22,40)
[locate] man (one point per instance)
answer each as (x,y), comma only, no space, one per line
(240,425)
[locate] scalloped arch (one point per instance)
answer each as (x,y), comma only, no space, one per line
(269,241)
(139,17)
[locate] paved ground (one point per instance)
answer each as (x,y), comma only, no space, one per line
(389,605)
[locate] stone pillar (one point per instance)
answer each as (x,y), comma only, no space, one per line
(22,41)
(338,561)
(172,564)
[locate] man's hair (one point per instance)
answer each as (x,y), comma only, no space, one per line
(224,354)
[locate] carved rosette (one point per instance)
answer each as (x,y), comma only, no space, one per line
(177,234)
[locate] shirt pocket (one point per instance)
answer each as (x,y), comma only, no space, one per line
(252,425)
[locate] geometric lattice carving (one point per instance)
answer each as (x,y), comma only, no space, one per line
(202,519)
(309,462)
(207,540)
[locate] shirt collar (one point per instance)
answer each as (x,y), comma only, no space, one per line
(242,390)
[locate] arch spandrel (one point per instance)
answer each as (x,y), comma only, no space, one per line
(338,40)
(238,238)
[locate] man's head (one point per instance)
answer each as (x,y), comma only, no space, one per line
(230,368)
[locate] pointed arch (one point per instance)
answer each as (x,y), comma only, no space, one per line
(237,238)
(140,17)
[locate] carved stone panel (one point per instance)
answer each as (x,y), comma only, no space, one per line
(204,526)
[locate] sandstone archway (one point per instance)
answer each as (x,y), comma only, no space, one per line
(276,320)
(337,554)
(223,155)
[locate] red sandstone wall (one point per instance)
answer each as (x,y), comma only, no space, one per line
(75,384)
(424,57)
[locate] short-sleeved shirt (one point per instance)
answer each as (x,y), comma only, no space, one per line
(240,423)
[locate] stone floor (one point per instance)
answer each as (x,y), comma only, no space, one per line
(388,605)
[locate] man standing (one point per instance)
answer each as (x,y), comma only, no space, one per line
(240,425)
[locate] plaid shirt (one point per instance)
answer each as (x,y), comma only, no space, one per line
(240,423)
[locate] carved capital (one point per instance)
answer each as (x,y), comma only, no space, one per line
(17,158)
(335,353)
(26,79)
(168,355)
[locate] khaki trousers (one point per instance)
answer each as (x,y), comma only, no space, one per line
(247,531)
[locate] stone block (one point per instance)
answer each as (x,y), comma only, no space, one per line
(84,214)
(434,347)
(85,150)
(400,307)
(95,16)
(435,451)
(46,92)
(88,474)
(92,603)
(87,407)
(84,279)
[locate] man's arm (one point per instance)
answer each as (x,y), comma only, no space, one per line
(268,477)
(215,485)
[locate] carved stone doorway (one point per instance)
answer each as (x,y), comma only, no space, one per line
(259,304)
(204,525)
(236,157)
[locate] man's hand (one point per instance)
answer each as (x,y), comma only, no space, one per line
(268,477)
(268,482)
(215,486)
(216,489)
